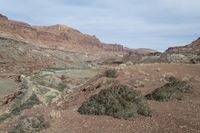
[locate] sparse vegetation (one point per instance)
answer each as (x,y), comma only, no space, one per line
(62,86)
(109,81)
(174,89)
(111,73)
(33,100)
(4,117)
(43,90)
(50,99)
(52,69)
(30,125)
(48,80)
(129,63)
(119,102)
(195,60)
(139,83)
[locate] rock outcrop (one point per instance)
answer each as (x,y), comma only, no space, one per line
(55,37)
(193,48)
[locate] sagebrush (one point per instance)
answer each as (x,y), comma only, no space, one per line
(174,89)
(119,102)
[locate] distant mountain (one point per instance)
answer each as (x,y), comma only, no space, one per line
(56,37)
(59,37)
(194,47)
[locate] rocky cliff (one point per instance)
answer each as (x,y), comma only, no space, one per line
(55,37)
(194,48)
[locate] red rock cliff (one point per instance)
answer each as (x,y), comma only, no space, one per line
(194,47)
(56,37)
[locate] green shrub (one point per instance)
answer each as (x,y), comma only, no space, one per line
(174,89)
(119,102)
(111,73)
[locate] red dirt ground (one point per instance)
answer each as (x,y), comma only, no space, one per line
(168,117)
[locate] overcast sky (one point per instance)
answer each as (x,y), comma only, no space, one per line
(155,24)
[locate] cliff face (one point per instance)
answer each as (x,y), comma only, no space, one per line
(55,37)
(194,47)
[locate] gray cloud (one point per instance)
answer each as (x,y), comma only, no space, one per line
(154,24)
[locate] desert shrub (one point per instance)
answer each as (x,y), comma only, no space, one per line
(174,89)
(129,63)
(108,81)
(18,106)
(119,102)
(33,100)
(139,83)
(4,117)
(23,90)
(30,125)
(195,60)
(24,85)
(50,81)
(50,99)
(111,73)
(62,86)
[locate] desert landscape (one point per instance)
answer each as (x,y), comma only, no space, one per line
(55,79)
